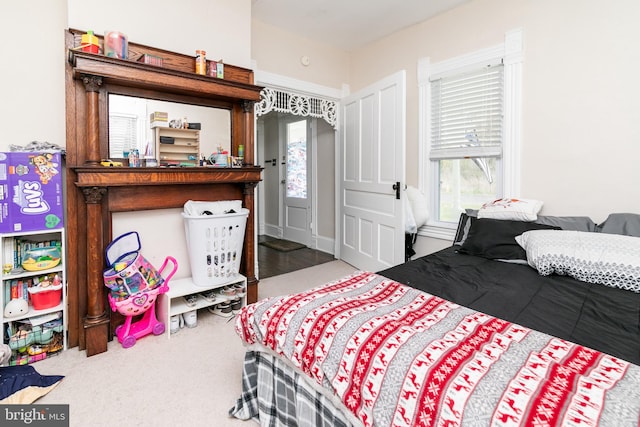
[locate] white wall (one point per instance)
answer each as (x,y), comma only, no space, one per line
(32,72)
(271,174)
(324,222)
(581,142)
(221,27)
(279,52)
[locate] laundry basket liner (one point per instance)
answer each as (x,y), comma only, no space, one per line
(197,208)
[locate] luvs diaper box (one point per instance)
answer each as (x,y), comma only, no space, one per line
(30,191)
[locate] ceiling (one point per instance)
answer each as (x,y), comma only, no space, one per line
(347,24)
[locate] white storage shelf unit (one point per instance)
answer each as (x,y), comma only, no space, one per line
(184,149)
(172,303)
(18,276)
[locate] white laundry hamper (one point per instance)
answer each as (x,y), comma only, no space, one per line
(214,243)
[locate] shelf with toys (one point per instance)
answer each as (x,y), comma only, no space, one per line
(33,294)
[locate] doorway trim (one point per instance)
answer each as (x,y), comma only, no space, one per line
(301,91)
(296,97)
(297,105)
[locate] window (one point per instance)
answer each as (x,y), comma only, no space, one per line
(128,125)
(469,132)
(466,138)
(297,159)
(123,134)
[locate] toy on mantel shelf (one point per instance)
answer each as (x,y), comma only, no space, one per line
(220,158)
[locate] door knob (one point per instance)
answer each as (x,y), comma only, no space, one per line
(396,187)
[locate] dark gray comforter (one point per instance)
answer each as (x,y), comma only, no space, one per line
(596,316)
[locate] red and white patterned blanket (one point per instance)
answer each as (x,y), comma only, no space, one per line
(396,356)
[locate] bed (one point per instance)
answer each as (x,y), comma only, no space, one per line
(506,327)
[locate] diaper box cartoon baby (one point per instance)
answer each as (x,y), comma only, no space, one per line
(30,191)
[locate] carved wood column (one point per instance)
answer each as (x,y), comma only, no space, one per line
(248,251)
(96,322)
(92,86)
(247,108)
(249,203)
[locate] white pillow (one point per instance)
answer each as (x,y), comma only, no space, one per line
(418,203)
(512,209)
(607,259)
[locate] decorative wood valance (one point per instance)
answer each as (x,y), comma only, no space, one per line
(297,104)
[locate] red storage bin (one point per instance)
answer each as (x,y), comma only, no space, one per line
(41,299)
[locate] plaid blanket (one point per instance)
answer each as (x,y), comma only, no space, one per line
(274,395)
(395,356)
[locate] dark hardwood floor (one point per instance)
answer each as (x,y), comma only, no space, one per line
(272,262)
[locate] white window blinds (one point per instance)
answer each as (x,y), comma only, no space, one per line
(466,114)
(122,134)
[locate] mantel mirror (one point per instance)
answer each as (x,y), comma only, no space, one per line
(130,125)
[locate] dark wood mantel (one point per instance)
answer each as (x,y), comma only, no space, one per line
(95,192)
(123,177)
(165,80)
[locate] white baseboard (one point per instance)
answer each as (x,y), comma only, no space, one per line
(324,244)
(273,231)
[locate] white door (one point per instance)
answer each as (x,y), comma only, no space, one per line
(297,200)
(372,168)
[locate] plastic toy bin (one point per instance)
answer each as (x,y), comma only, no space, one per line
(214,243)
(45,297)
(30,344)
(37,259)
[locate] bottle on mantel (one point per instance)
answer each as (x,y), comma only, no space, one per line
(201,62)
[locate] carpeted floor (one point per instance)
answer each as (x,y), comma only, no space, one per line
(191,379)
(282,245)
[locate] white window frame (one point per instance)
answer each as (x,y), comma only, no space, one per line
(134,109)
(121,139)
(508,169)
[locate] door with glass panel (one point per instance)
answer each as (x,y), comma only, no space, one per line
(297,197)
